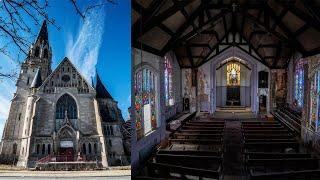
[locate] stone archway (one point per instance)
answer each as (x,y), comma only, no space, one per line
(237,53)
(66,143)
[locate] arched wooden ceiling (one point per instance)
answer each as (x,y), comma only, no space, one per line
(197,30)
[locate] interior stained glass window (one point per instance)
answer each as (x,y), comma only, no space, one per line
(168,80)
(315,102)
(145,101)
(233,74)
(299,84)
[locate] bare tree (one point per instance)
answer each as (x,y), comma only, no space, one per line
(15,29)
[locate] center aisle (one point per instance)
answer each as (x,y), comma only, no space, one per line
(232,161)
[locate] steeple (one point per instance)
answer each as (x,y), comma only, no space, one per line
(40,53)
(43,33)
(102,92)
(37,81)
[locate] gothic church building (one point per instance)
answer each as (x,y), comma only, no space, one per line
(60,114)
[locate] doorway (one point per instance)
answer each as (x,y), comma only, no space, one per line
(262,103)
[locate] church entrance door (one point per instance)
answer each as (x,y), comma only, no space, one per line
(66,151)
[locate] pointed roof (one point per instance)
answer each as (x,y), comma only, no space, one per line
(43,33)
(37,82)
(102,92)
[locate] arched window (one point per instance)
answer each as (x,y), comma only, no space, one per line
(49,148)
(43,148)
(84,148)
(38,148)
(90,148)
(145,101)
(37,52)
(66,103)
(315,102)
(113,114)
(299,84)
(168,80)
(45,53)
(233,74)
(95,148)
(14,149)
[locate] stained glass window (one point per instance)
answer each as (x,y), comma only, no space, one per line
(145,101)
(315,102)
(233,74)
(299,84)
(168,80)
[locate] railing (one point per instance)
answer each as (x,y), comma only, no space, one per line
(61,158)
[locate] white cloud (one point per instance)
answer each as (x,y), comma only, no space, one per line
(83,50)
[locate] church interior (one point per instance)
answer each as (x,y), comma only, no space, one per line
(225,89)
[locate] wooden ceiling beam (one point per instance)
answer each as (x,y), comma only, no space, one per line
(189,54)
(149,22)
(145,47)
(267,46)
(278,52)
(262,60)
(285,29)
(297,12)
(183,27)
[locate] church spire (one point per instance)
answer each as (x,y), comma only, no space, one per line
(43,33)
(102,92)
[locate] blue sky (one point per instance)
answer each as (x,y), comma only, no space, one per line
(100,41)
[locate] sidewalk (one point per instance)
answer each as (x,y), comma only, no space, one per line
(102,173)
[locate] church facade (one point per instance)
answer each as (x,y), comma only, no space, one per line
(59,113)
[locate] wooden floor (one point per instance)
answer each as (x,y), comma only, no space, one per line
(210,148)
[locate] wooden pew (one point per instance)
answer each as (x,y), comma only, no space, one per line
(166,170)
(259,122)
(273,136)
(271,146)
(248,140)
(257,125)
(196,141)
(195,136)
(272,155)
(190,152)
(202,128)
(266,131)
(201,131)
(193,161)
(263,128)
(286,175)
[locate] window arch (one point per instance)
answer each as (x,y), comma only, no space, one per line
(90,148)
(315,102)
(299,83)
(168,71)
(145,101)
(95,148)
(37,52)
(14,149)
(66,103)
(45,53)
(113,114)
(49,148)
(38,148)
(84,148)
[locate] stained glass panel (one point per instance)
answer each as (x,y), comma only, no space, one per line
(233,74)
(168,80)
(299,84)
(145,102)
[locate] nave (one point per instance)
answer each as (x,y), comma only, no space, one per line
(204,147)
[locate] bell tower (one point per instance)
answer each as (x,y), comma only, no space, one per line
(40,52)
(34,70)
